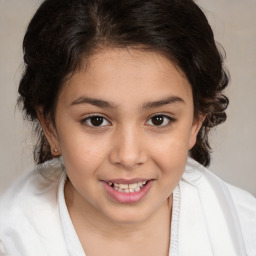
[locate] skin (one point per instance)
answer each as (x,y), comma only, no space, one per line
(126,145)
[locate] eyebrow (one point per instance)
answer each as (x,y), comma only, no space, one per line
(147,105)
(162,102)
(96,102)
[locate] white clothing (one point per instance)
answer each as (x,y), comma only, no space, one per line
(209,217)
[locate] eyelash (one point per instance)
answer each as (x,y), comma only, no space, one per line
(89,119)
(169,119)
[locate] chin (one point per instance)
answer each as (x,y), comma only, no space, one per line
(128,215)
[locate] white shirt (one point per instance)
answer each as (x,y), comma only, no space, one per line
(209,217)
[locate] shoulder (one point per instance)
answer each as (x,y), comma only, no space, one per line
(29,210)
(30,187)
(245,205)
(232,199)
(240,197)
(244,201)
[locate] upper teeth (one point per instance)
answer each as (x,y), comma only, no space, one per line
(133,187)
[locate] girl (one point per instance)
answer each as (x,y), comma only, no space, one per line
(122,94)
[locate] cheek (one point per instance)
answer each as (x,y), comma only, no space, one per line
(172,159)
(174,145)
(170,155)
(82,153)
(83,160)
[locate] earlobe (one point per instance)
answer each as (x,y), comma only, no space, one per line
(49,132)
(197,124)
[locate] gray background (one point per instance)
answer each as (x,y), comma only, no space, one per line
(233,143)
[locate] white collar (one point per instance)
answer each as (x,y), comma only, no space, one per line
(72,241)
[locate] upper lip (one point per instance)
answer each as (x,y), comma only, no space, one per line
(127,181)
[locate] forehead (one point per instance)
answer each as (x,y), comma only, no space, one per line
(121,75)
(136,61)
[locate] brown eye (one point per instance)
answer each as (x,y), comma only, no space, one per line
(160,120)
(157,120)
(95,121)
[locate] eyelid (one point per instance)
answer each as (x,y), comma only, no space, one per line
(83,121)
(170,118)
(162,114)
(167,116)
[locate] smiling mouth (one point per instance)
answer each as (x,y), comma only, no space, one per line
(127,191)
(128,188)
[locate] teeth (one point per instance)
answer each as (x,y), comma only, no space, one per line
(123,186)
(140,184)
(137,189)
(134,185)
(128,188)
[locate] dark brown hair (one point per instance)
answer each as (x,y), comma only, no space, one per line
(62,33)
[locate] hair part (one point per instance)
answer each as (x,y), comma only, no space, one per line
(65,33)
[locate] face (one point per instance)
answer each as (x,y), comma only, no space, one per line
(124,126)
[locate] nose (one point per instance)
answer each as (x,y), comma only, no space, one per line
(128,149)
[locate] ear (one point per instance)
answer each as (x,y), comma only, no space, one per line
(196,126)
(49,132)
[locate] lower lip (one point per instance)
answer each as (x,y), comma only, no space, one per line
(127,198)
